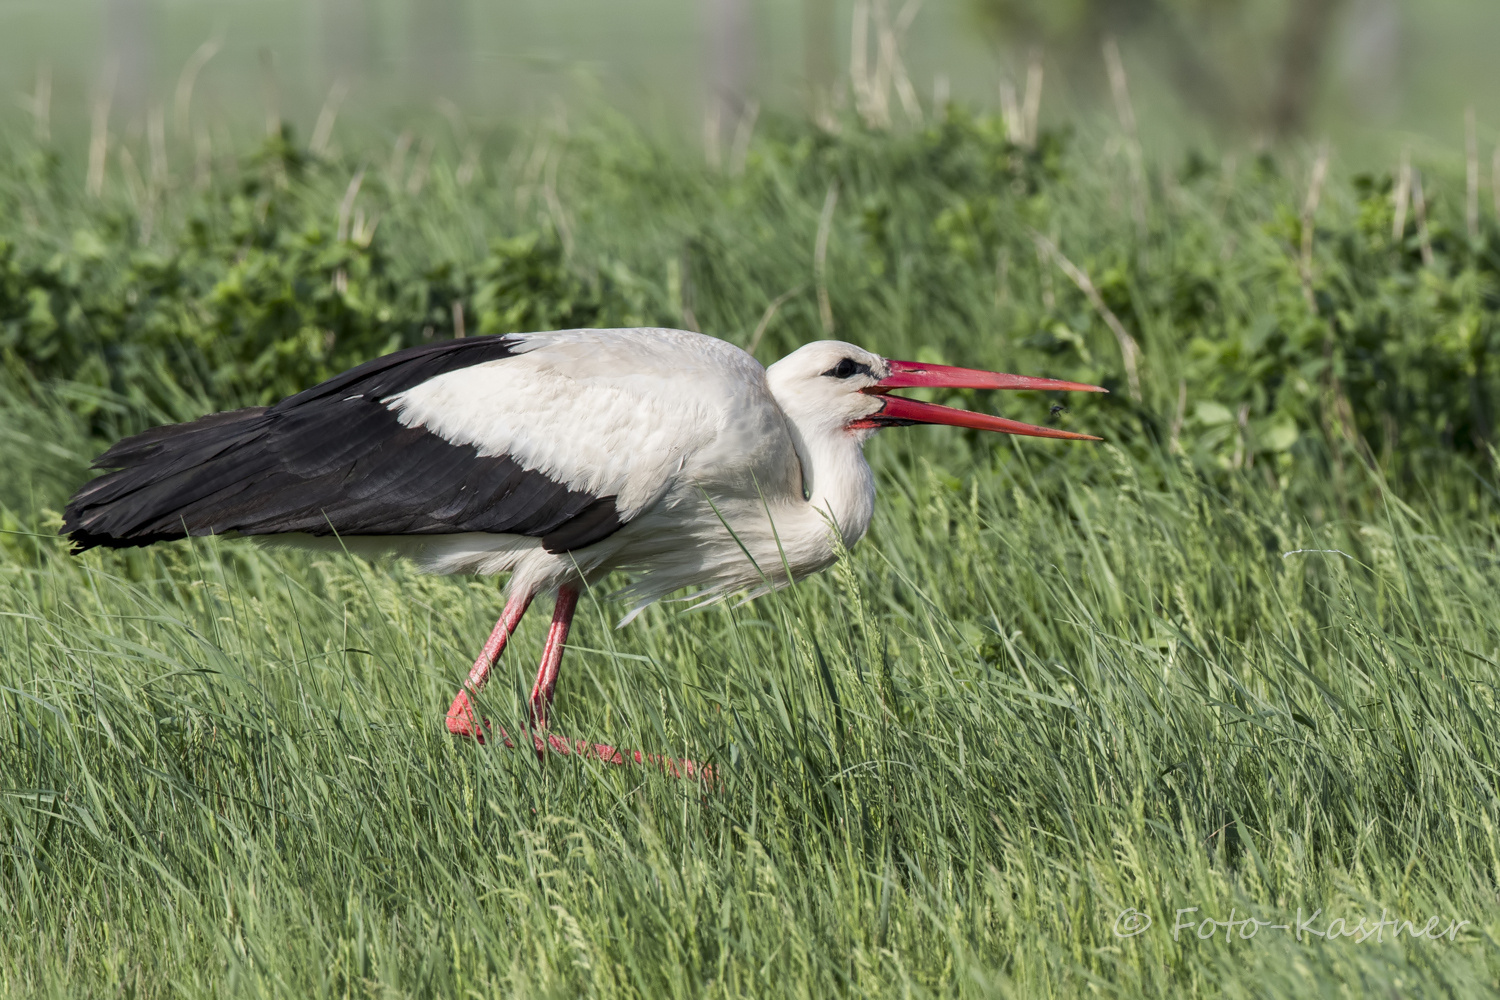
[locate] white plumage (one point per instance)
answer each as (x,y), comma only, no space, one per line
(685,430)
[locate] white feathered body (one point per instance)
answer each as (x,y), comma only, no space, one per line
(723,486)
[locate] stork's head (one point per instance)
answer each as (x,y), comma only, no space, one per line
(835,386)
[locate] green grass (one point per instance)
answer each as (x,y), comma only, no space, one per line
(1242,673)
(947,765)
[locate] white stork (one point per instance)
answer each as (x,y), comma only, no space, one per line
(555,457)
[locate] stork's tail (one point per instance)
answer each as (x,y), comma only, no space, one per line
(159,478)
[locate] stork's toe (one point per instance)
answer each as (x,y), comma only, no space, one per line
(463,721)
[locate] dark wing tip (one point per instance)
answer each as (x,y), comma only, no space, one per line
(78,529)
(332,457)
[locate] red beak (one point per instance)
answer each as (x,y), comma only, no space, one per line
(898,411)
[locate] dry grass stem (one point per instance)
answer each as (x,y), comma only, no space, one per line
(1402,196)
(346,206)
(468,167)
(1419,204)
(1495,181)
(1174,439)
(713,155)
(41,104)
(859,57)
(187,80)
(203,168)
(1119,86)
(156,141)
(891,53)
(362,233)
(878,109)
(99,128)
(419,170)
(1130,350)
(397,167)
(1471,175)
(1010,111)
(685,292)
(767,316)
(1032,109)
(1244,456)
(554,202)
(271,93)
(739,149)
(820,256)
(1309,218)
(1044,278)
(322,132)
(140,194)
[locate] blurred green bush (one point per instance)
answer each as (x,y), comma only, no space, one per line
(285,268)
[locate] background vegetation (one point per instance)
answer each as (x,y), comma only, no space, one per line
(1242,656)
(1372,75)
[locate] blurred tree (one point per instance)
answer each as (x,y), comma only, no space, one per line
(1309,28)
(728,57)
(1242,63)
(128,40)
(819,55)
(1369,57)
(348,39)
(440,47)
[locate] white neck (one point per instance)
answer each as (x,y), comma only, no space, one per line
(836,479)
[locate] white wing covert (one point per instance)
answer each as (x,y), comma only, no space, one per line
(597,412)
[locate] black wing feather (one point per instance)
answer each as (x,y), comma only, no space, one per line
(331,459)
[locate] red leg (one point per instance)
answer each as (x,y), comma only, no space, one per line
(557,637)
(461,718)
(463,722)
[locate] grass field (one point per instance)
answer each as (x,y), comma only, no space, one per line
(1241,657)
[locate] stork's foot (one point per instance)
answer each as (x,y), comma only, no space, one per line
(674,766)
(464,721)
(465,725)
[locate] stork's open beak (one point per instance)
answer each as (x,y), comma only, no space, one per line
(898,411)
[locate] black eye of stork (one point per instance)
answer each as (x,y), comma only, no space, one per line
(847,368)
